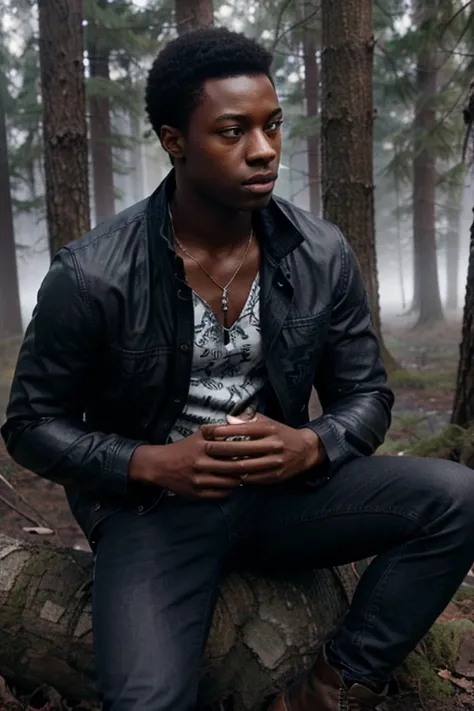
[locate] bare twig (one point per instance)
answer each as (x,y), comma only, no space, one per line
(14,508)
(284,6)
(420,698)
(24,501)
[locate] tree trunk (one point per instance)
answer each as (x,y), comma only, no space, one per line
(312,96)
(347,125)
(100,131)
(463,410)
(191,14)
(427,296)
(264,630)
(10,311)
(138,179)
(452,255)
(64,120)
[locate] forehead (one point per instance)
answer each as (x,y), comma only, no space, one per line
(251,96)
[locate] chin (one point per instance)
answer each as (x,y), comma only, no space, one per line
(257,202)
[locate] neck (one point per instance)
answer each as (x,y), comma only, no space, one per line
(199,223)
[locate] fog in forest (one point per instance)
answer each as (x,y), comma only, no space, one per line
(416,88)
(378,105)
(395,270)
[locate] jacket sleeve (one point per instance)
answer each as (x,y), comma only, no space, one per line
(351,381)
(55,374)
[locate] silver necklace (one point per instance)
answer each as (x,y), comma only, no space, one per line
(224,289)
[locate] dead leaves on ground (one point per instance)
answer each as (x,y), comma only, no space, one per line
(45,698)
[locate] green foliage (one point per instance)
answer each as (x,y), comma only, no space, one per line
(438,650)
(464,594)
(131,33)
(422,380)
(128,33)
(400,41)
(445,445)
(454,443)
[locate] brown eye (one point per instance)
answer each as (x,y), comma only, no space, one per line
(234,132)
(275,125)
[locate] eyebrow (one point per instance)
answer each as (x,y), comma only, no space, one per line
(244,117)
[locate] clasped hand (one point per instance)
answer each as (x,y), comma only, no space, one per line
(210,464)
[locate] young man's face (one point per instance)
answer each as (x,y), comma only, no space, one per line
(233,142)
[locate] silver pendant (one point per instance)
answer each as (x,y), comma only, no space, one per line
(224,301)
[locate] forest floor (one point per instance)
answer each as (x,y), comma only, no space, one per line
(424,389)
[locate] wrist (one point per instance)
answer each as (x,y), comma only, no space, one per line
(143,465)
(313,450)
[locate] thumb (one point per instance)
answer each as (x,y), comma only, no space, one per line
(232,420)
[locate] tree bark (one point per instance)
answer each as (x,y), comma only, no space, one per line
(427,298)
(10,311)
(100,131)
(463,410)
(453,247)
(312,96)
(192,14)
(347,126)
(137,159)
(264,630)
(64,120)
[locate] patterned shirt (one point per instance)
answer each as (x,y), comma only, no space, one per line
(226,378)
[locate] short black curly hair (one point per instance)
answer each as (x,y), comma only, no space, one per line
(175,81)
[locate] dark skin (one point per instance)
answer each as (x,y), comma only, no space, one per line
(233,137)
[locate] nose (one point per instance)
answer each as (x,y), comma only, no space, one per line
(260,148)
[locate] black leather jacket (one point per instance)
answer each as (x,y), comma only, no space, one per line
(106,360)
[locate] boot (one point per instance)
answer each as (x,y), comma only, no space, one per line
(322,689)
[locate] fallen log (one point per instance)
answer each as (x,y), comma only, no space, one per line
(264,630)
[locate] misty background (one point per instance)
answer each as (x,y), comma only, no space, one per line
(122,39)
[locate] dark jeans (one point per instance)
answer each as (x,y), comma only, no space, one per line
(156,575)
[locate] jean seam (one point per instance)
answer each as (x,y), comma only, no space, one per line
(335,513)
(207,602)
(376,593)
(226,523)
(205,617)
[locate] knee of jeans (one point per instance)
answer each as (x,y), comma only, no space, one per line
(454,487)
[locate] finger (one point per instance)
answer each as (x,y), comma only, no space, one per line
(211,481)
(264,479)
(214,494)
(240,467)
(207,431)
(206,494)
(254,429)
(250,448)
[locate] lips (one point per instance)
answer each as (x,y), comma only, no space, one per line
(262,179)
(261,184)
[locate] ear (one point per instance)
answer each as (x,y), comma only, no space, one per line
(172,141)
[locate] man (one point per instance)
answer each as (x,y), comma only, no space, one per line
(164,381)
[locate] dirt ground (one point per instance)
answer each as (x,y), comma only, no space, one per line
(424,394)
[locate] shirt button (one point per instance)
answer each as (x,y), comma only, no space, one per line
(140,509)
(184,347)
(97,506)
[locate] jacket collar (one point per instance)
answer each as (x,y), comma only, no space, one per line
(279,234)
